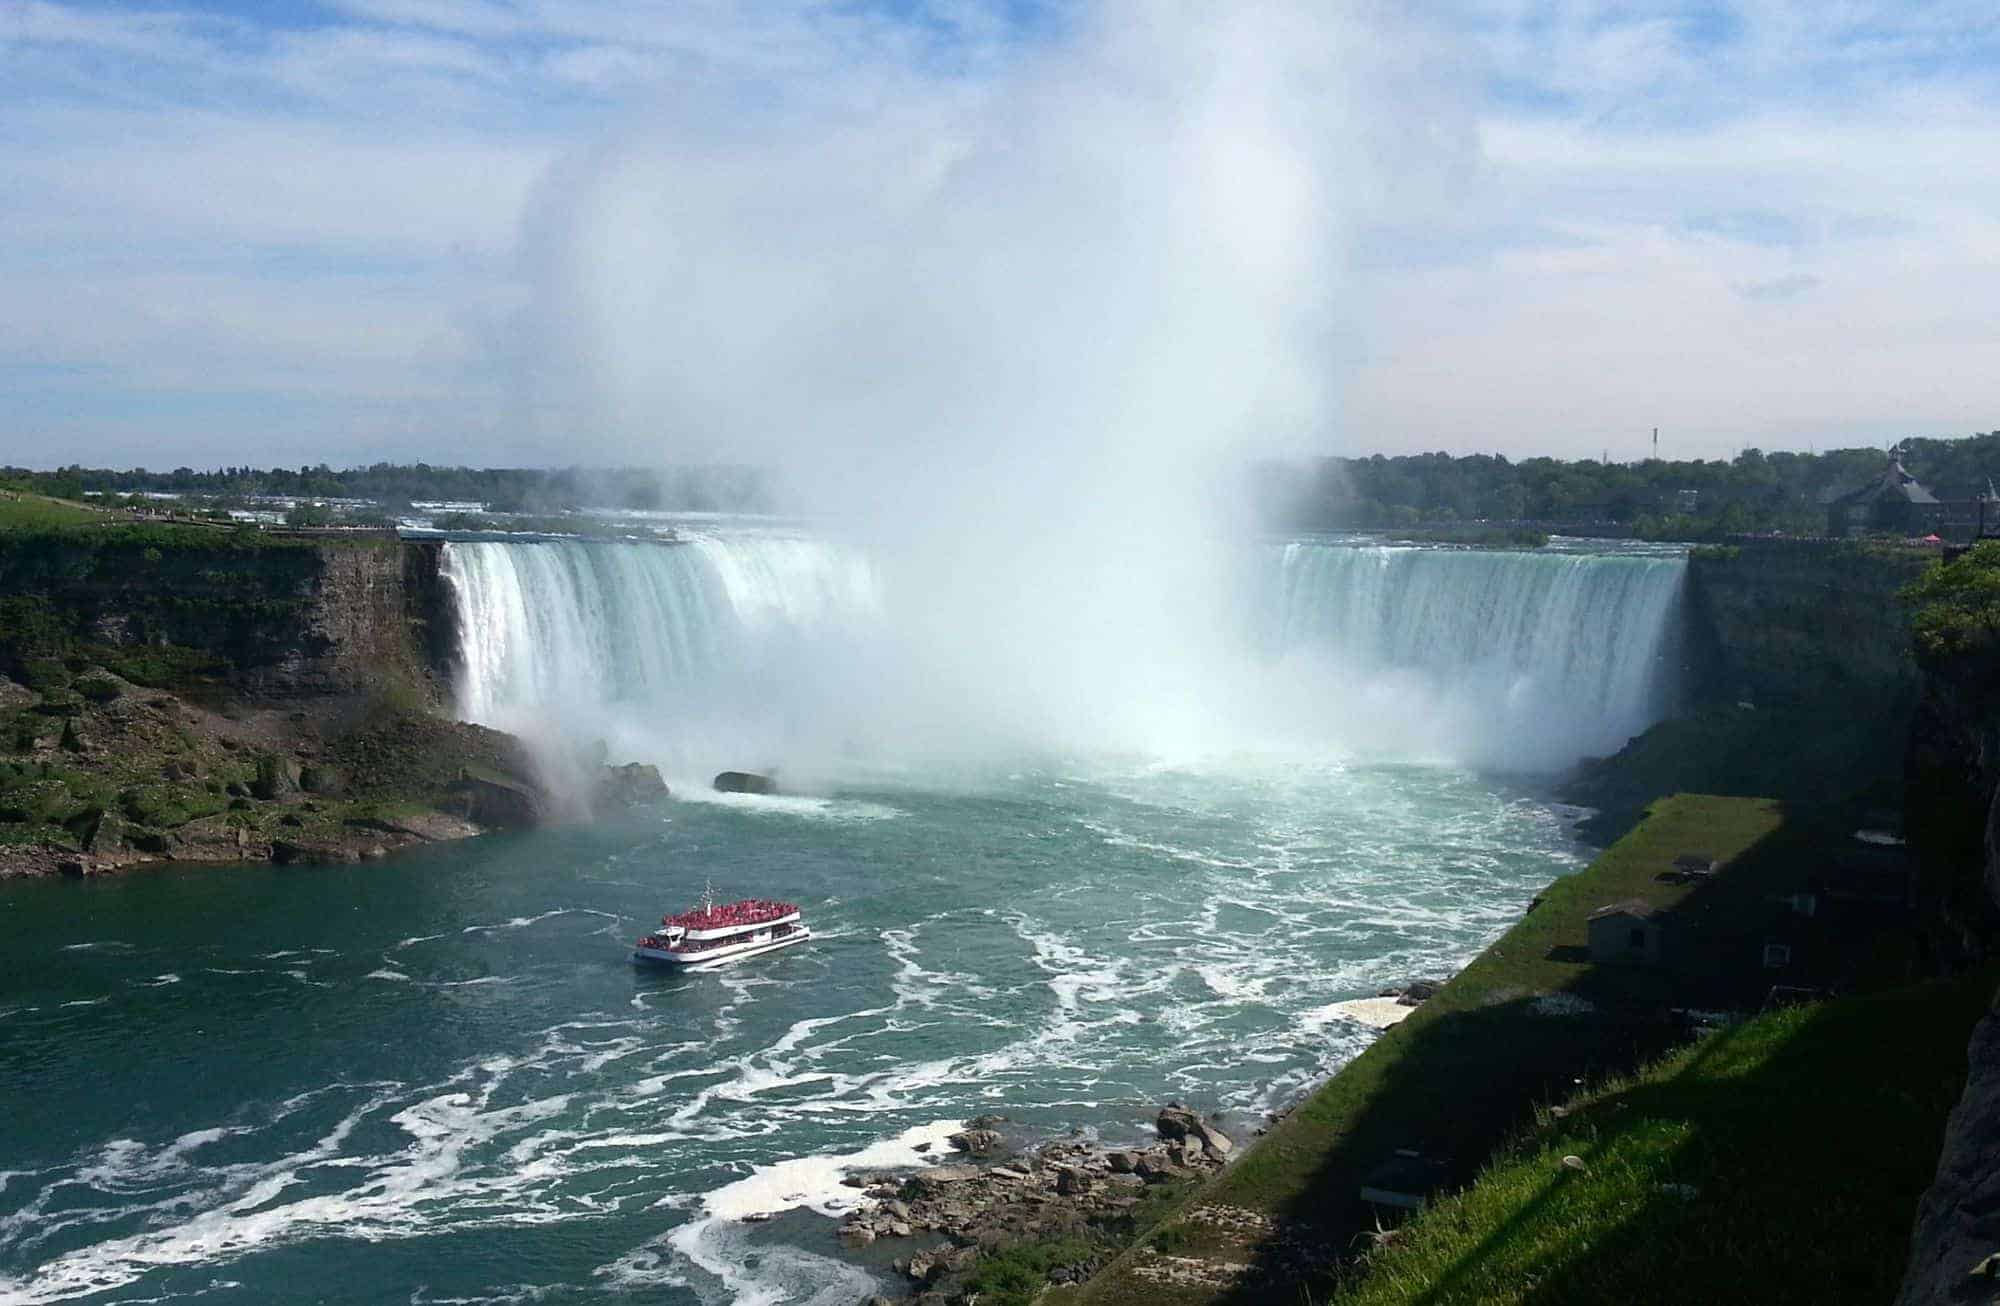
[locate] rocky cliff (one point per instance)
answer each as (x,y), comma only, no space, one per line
(1798,683)
(268,615)
(218,695)
(1786,621)
(1953,817)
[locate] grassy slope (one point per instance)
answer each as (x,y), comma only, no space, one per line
(1461,1072)
(1802,1139)
(33,511)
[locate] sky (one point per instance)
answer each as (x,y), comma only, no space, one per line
(540,232)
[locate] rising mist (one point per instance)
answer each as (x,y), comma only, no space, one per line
(1008,333)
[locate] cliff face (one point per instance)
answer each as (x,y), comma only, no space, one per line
(1791,622)
(267,616)
(1952,811)
(1799,680)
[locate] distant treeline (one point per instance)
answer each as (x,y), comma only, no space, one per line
(1753,493)
(501,489)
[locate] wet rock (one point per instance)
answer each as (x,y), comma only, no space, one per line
(1418,992)
(1175,1122)
(630,785)
(492,801)
(976,1141)
(988,1121)
(937,1181)
(311,852)
(744,782)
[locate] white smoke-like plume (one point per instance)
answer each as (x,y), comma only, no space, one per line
(1010,332)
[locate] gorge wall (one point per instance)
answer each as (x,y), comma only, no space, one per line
(263,615)
(1782,621)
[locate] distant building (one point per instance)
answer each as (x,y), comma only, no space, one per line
(1893,502)
(1626,931)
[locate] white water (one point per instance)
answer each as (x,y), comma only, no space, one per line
(767,649)
(1525,661)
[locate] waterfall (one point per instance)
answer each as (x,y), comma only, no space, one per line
(696,655)
(1522,659)
(748,650)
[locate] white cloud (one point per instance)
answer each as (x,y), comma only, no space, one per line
(1773,219)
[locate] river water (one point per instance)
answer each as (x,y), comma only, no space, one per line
(440,1079)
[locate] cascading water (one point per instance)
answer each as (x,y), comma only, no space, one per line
(1523,660)
(755,649)
(679,653)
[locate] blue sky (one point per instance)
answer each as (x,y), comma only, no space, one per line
(346,231)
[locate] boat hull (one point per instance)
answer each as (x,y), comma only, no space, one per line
(715,958)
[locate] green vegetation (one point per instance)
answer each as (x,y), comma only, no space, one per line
(719,488)
(1795,752)
(1955,606)
(1655,499)
(1016,1275)
(1776,1161)
(21,511)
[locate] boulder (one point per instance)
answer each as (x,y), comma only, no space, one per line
(976,1141)
(629,786)
(494,801)
(1071,1182)
(320,779)
(276,777)
(937,1181)
(1122,1162)
(1176,1121)
(1418,992)
(745,782)
(1154,1167)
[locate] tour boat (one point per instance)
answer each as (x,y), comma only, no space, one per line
(715,934)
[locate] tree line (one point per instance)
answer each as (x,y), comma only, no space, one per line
(501,489)
(1753,493)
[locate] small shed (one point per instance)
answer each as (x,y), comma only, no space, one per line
(1404,1182)
(1626,931)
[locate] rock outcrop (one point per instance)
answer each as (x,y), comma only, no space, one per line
(1059,1189)
(1957,1234)
(744,782)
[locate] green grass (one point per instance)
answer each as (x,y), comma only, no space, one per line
(1414,1085)
(34,512)
(1776,1161)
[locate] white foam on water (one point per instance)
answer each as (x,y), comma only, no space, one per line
(714,1244)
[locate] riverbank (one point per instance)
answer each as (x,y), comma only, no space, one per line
(1529,1019)
(103,775)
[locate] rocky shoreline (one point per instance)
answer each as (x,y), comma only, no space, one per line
(106,776)
(993,1196)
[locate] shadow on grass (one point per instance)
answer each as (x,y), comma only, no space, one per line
(1462,1083)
